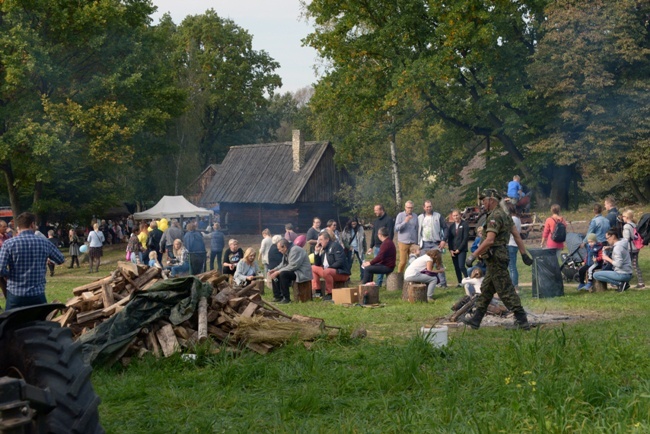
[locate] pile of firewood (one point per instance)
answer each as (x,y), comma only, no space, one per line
(232,317)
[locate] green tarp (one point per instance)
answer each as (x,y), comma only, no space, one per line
(174,300)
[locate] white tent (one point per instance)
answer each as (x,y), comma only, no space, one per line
(172,207)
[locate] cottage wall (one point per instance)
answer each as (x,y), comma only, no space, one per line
(252,218)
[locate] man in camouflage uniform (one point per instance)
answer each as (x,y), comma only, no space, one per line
(497,229)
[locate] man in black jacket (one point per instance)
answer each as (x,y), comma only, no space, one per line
(330,263)
(457,238)
(383,221)
(153,240)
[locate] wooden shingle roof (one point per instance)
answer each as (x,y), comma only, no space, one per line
(263,174)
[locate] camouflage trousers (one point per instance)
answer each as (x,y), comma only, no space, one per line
(497,280)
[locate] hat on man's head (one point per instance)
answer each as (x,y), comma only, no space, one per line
(592,237)
(490,192)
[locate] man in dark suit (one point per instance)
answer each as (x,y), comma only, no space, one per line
(457,238)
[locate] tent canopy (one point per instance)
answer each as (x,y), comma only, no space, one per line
(172,207)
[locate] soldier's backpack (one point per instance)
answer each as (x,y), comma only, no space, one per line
(559,232)
(643,228)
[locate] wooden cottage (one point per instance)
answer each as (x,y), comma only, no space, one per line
(196,189)
(270,185)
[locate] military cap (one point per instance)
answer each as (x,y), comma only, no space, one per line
(490,192)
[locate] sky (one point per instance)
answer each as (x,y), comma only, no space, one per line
(276,26)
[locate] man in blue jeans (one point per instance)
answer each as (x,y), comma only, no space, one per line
(23,261)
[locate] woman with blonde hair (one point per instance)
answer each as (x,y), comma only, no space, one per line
(247,268)
(628,233)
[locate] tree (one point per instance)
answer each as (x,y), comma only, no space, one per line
(464,61)
(224,77)
(82,96)
(592,67)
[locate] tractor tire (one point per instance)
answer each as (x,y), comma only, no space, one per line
(44,355)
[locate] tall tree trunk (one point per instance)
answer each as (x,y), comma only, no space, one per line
(178,162)
(637,192)
(12,191)
(38,192)
(393,160)
(560,183)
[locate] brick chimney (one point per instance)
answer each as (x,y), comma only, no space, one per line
(298,148)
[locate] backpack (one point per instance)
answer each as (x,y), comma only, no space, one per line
(559,232)
(637,240)
(643,229)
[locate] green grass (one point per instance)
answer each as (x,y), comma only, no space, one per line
(591,375)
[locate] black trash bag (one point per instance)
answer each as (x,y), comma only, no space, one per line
(174,300)
(547,277)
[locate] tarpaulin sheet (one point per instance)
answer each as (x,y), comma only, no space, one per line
(174,300)
(547,278)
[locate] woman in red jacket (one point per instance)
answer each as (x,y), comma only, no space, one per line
(549,230)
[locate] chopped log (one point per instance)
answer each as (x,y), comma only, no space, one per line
(213,314)
(67,317)
(92,286)
(416,292)
(90,296)
(149,284)
(266,303)
(153,345)
(128,278)
(181,332)
(259,285)
(599,286)
(128,268)
(203,319)
(246,290)
(218,333)
(110,310)
(90,316)
(167,340)
(107,295)
(250,310)
(235,302)
(142,351)
(302,291)
(225,296)
(141,280)
(203,277)
(317,322)
(75,301)
(369,293)
(465,308)
(255,298)
(394,281)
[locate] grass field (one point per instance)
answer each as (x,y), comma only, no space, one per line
(591,375)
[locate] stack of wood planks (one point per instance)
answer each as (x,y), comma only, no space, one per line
(94,302)
(215,322)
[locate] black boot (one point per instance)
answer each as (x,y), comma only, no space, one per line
(521,320)
(475,321)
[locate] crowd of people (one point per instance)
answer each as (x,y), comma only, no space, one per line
(327,254)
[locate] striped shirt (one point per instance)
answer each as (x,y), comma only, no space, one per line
(22,262)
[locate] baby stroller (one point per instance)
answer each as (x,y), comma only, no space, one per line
(572,261)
